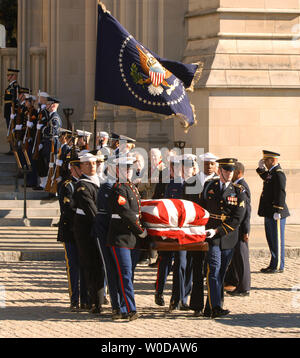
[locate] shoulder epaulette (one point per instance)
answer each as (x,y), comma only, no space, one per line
(67,182)
(239,186)
(279,170)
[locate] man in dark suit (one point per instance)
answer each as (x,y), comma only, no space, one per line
(226,204)
(239,269)
(273,208)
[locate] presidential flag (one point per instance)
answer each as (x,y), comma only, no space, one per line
(129,74)
(176,219)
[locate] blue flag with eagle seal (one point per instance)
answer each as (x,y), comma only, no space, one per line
(128,74)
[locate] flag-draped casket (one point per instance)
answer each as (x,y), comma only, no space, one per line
(180,220)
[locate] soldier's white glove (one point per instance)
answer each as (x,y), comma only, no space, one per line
(143,234)
(261,164)
(276,216)
(40,146)
(12,116)
(210,233)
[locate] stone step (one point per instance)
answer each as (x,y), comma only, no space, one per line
(8,192)
(30,213)
(32,204)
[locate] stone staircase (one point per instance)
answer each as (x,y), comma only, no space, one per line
(38,211)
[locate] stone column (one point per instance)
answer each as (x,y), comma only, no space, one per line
(248,97)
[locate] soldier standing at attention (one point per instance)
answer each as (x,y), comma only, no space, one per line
(226,204)
(10,97)
(77,286)
(125,230)
(85,198)
(273,208)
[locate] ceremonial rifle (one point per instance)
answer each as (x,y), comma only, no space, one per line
(38,135)
(11,134)
(31,118)
(51,168)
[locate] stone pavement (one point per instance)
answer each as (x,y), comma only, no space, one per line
(34,298)
(38,242)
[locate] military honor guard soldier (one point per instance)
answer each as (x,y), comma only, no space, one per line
(125,230)
(225,202)
(273,207)
(238,273)
(85,199)
(77,285)
(11,97)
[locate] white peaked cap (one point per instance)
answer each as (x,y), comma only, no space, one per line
(125,160)
(189,156)
(82,133)
(82,152)
(208,157)
(43,94)
(88,157)
(103,134)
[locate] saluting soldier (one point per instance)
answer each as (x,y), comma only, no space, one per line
(85,198)
(273,208)
(76,279)
(225,202)
(11,97)
(125,230)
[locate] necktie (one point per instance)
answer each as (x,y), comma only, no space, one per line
(223,187)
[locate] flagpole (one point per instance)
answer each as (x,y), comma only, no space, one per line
(95,125)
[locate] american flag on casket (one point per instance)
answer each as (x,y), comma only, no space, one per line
(177,219)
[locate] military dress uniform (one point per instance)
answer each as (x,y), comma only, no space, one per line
(101,227)
(272,204)
(124,235)
(85,198)
(174,190)
(10,96)
(195,259)
(238,273)
(76,279)
(226,205)
(50,133)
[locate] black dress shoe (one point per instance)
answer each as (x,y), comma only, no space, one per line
(85,307)
(95,309)
(238,293)
(184,307)
(159,299)
(173,306)
(207,313)
(219,312)
(198,314)
(270,270)
(133,316)
(116,314)
(74,307)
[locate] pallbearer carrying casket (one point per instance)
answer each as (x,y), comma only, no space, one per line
(125,230)
(226,204)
